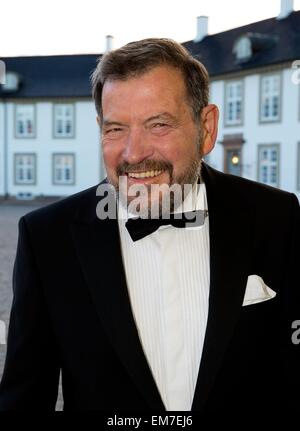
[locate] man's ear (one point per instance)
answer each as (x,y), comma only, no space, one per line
(209,124)
(98,120)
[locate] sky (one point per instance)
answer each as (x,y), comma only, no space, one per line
(48,27)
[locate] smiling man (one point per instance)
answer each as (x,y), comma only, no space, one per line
(149,130)
(166,312)
(154,115)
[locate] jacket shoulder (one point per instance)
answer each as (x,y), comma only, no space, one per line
(255,193)
(63,210)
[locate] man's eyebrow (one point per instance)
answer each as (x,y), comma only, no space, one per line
(161,116)
(112,123)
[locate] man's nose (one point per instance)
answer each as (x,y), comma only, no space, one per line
(137,147)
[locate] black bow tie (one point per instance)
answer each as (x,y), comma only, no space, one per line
(139,227)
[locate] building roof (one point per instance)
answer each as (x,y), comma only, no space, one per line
(215,51)
(68,75)
(52,76)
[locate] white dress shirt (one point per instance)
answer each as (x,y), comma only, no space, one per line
(168,278)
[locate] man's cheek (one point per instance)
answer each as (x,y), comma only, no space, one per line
(110,162)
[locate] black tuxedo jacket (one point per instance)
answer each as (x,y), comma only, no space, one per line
(71,309)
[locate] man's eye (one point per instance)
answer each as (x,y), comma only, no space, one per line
(160,128)
(159,125)
(113,130)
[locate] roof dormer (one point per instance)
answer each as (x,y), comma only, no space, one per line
(248,44)
(12,82)
(242,48)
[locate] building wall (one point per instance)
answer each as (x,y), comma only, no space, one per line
(286,133)
(85,146)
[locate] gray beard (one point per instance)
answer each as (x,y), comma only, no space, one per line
(165,206)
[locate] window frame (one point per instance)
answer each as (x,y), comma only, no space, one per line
(268,146)
(239,49)
(54,134)
(279,119)
(54,182)
(20,183)
(241,122)
(34,135)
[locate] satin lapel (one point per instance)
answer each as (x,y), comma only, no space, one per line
(98,248)
(230,226)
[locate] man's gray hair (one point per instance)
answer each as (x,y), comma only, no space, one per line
(137,58)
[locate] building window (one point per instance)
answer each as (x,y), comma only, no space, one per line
(268,164)
(270,98)
(64,120)
(63,169)
(25,168)
(242,49)
(233,103)
(25,121)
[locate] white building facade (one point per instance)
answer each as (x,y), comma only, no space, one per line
(49,138)
(255,82)
(259,127)
(48,147)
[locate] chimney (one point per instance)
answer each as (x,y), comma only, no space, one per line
(202,28)
(286,7)
(109,43)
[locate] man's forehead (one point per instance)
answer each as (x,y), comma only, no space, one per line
(155,75)
(138,99)
(157,90)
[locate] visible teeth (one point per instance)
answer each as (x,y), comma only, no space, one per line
(147,174)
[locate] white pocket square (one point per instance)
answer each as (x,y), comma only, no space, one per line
(257,291)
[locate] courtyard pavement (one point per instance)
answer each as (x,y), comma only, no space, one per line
(10,214)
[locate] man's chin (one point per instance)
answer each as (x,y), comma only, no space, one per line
(152,199)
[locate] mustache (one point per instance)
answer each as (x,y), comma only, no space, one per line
(146,165)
